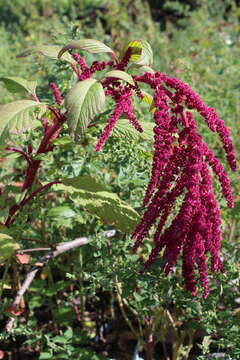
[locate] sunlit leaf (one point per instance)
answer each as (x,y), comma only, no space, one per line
(136,50)
(147,98)
(125,130)
(142,69)
(50,51)
(105,205)
(90,45)
(122,75)
(84,182)
(146,57)
(17,84)
(141,52)
(83,102)
(7,247)
(61,211)
(16,117)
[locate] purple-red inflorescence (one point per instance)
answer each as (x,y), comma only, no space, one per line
(56,93)
(122,97)
(181,167)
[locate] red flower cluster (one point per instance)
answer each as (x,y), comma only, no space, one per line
(56,93)
(180,168)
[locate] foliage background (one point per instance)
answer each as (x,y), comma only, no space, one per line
(197,41)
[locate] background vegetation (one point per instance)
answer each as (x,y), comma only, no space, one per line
(94,303)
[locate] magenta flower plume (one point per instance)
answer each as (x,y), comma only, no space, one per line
(109,127)
(81,62)
(180,167)
(122,97)
(85,71)
(56,93)
(99,66)
(125,60)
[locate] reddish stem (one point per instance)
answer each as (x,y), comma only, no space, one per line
(35,97)
(15,208)
(26,157)
(114,57)
(75,69)
(184,119)
(43,148)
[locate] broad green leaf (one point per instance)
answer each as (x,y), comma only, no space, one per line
(146,57)
(109,208)
(64,140)
(105,205)
(50,51)
(7,247)
(84,182)
(90,45)
(122,75)
(84,101)
(147,98)
(125,130)
(141,52)
(136,50)
(16,117)
(142,69)
(61,211)
(17,84)
(147,68)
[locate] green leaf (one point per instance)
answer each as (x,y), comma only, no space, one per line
(17,84)
(136,50)
(7,247)
(90,45)
(16,117)
(143,69)
(122,75)
(59,339)
(147,98)
(68,334)
(61,211)
(124,129)
(84,182)
(141,52)
(64,140)
(105,205)
(63,315)
(109,207)
(146,57)
(46,355)
(84,101)
(50,51)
